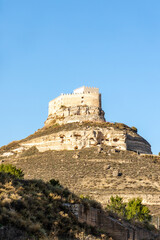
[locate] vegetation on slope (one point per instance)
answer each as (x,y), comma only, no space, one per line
(132,210)
(11,170)
(33,209)
(92,173)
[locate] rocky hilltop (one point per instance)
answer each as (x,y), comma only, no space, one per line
(84,104)
(74,136)
(66,115)
(87,154)
(76,121)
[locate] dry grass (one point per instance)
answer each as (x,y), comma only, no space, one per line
(92,172)
(29,152)
(10,146)
(37,210)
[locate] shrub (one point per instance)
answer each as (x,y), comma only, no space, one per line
(133,210)
(137,211)
(54,182)
(10,169)
(117,206)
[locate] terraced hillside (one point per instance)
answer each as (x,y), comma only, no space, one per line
(96,172)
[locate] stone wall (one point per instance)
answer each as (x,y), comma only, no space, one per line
(71,100)
(114,227)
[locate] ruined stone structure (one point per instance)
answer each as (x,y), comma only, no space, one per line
(84,104)
(117,228)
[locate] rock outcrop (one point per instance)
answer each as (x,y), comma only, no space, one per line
(85,137)
(83,107)
(66,115)
(137,144)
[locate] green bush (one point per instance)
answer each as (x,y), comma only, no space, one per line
(133,210)
(117,206)
(10,169)
(137,211)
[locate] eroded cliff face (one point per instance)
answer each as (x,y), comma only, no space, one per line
(86,137)
(121,139)
(136,143)
(66,115)
(78,139)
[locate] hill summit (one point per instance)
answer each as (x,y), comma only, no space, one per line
(102,160)
(76,121)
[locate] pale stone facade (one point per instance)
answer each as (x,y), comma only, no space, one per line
(84,104)
(80,97)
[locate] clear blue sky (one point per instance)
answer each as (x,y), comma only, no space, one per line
(49,47)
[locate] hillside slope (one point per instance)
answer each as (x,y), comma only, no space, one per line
(95,172)
(100,167)
(32,209)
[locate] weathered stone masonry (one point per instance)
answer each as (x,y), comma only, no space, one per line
(84,104)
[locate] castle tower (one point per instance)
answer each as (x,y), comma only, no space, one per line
(84,104)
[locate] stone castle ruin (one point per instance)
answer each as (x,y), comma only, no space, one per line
(84,104)
(84,124)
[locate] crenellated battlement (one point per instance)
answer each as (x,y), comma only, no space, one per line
(83,96)
(71,94)
(80,97)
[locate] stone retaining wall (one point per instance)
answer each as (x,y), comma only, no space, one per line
(119,230)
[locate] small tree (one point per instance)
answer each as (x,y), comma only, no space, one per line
(134,209)
(137,211)
(117,206)
(10,169)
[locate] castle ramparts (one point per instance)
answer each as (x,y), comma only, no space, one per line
(84,104)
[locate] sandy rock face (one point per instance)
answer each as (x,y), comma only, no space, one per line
(88,137)
(76,114)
